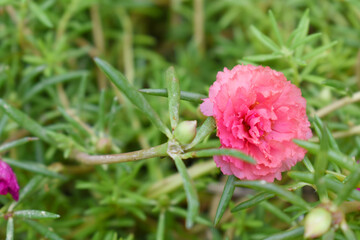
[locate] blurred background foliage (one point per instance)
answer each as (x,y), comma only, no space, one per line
(47,70)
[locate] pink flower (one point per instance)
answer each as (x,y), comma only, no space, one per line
(8,182)
(258,112)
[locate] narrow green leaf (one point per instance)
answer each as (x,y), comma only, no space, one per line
(276,212)
(225,198)
(73,122)
(263,57)
(10,229)
(302,176)
(321,163)
(306,40)
(182,213)
(319,50)
(206,128)
(132,94)
(34,167)
(6,146)
(288,235)
(26,122)
(331,183)
(190,191)
(275,189)
(308,164)
(45,231)
(40,14)
(336,186)
(301,31)
(253,201)
(349,234)
(160,233)
(45,83)
(35,214)
(351,182)
(334,156)
(275,28)
(173,96)
(264,39)
(188,96)
(25,191)
(219,151)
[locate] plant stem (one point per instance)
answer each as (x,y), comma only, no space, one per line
(158,151)
(338,104)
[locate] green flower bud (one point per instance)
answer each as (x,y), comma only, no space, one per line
(317,222)
(185,132)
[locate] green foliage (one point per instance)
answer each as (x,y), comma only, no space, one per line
(52,89)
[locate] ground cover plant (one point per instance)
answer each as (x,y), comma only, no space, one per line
(100,119)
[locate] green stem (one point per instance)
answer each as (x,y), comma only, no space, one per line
(294,67)
(158,151)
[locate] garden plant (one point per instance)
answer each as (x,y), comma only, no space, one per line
(179,119)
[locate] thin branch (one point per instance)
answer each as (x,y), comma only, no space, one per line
(341,134)
(158,151)
(338,104)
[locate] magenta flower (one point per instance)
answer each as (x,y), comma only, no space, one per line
(258,112)
(8,182)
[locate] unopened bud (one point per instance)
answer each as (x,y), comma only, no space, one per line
(103,145)
(185,132)
(317,222)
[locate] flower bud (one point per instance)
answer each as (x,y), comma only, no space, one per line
(103,145)
(185,132)
(317,222)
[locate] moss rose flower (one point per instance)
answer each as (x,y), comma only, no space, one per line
(258,112)
(8,182)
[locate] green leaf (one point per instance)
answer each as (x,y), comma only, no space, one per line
(45,231)
(331,183)
(40,14)
(206,128)
(35,214)
(34,167)
(289,234)
(182,213)
(188,96)
(264,39)
(308,164)
(45,83)
(275,28)
(319,50)
(132,94)
(161,226)
(334,156)
(190,191)
(350,184)
(219,152)
(263,57)
(6,146)
(26,122)
(275,189)
(225,198)
(276,211)
(253,201)
(306,40)
(173,96)
(10,229)
(321,163)
(25,191)
(74,123)
(301,31)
